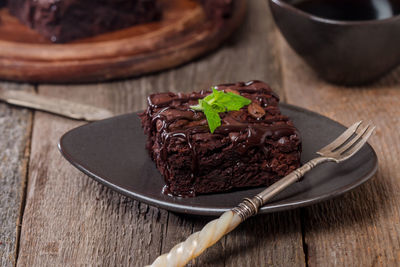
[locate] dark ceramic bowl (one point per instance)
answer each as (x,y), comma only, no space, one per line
(344,52)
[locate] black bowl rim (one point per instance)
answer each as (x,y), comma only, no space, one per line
(285,5)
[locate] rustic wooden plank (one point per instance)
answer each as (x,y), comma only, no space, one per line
(362,228)
(15,130)
(71,220)
(267,240)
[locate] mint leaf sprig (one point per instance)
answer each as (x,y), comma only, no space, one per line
(219,102)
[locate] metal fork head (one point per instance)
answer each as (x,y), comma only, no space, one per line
(348,143)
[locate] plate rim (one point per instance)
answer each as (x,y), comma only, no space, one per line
(207,211)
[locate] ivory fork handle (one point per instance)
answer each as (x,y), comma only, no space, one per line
(336,151)
(196,243)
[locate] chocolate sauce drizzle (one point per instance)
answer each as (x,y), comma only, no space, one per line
(169,108)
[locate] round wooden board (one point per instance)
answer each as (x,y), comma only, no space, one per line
(183,34)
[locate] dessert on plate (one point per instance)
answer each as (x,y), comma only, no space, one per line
(214,141)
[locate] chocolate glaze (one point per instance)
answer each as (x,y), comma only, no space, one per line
(169,119)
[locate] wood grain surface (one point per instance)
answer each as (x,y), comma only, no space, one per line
(15,130)
(183,33)
(70,220)
(362,228)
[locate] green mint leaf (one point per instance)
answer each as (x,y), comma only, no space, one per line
(218,107)
(218,102)
(198,107)
(234,102)
(213,119)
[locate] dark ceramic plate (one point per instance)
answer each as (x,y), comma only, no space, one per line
(112,152)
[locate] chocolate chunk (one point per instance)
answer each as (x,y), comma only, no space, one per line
(256,110)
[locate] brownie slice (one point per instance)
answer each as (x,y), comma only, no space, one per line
(66,20)
(254,146)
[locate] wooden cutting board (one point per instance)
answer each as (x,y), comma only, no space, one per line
(183,34)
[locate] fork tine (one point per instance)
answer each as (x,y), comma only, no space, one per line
(359,133)
(349,153)
(341,139)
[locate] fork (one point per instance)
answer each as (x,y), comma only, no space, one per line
(341,149)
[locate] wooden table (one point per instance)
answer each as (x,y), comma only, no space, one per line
(53,215)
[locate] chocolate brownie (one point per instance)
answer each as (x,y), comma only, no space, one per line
(65,20)
(254,146)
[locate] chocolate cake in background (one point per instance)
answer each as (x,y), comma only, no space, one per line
(254,146)
(65,20)
(218,8)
